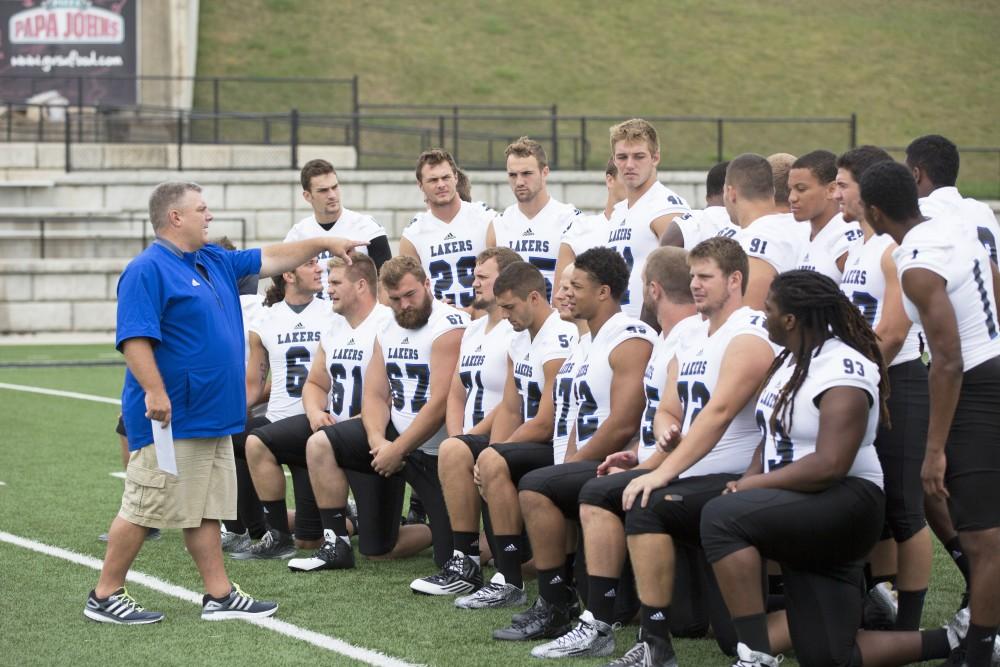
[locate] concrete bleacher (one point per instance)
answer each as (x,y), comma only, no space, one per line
(95,221)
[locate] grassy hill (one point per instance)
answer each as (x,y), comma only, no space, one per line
(905,67)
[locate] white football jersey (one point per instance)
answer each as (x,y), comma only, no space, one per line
(586,232)
(407,357)
(564,401)
(864,284)
(964,263)
(973,214)
(778,239)
(448,250)
(833,241)
(350,225)
(835,365)
(701,224)
(634,239)
(655,378)
(592,384)
(482,367)
(699,362)
(536,239)
(555,340)
(290,339)
(348,351)
(251,305)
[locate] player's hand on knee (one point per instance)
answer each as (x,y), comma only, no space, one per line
(388,461)
(617,462)
(638,489)
(319,419)
(158,407)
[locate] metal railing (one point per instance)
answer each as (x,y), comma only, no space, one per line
(476,136)
(214,94)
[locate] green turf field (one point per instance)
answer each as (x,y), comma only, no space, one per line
(55,458)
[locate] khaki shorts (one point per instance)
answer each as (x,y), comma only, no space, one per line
(204,488)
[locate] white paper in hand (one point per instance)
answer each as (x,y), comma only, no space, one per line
(163,441)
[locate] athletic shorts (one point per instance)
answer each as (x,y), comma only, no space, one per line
(380,499)
(240,439)
(475,443)
(973,450)
(694,595)
(523,457)
(606,491)
(821,541)
(676,509)
(286,438)
(901,449)
(204,487)
(561,484)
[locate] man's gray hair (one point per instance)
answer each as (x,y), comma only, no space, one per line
(164,197)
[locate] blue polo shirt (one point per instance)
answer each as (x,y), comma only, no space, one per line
(187,304)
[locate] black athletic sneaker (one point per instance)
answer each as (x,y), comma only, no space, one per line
(119,608)
(542,621)
(575,608)
(417,513)
(272,546)
(459,575)
(334,554)
(880,607)
(647,652)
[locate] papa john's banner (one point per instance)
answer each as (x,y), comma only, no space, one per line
(75,47)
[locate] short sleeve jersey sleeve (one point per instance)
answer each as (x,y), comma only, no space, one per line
(843,366)
(774,242)
(449,320)
(141,288)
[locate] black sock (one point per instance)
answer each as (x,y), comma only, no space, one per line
(467,543)
(752,631)
(911,607)
(277,515)
(979,644)
(954,547)
(335,519)
(552,586)
(601,597)
(934,644)
(234,526)
(249,512)
(571,569)
(508,559)
(655,621)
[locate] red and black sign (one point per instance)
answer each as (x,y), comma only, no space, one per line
(83,49)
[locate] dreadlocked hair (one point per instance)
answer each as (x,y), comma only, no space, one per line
(823,312)
(276,292)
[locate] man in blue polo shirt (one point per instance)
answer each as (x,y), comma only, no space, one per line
(180,329)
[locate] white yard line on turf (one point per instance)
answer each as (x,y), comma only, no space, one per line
(63,394)
(281,627)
